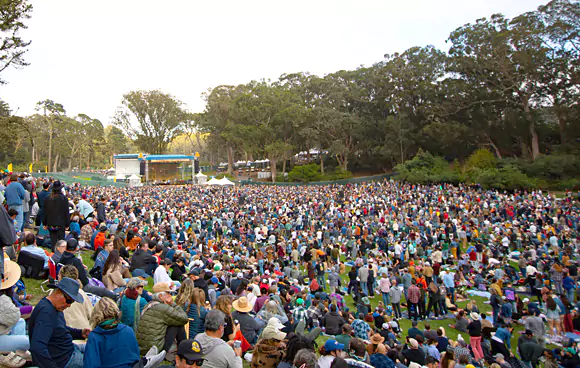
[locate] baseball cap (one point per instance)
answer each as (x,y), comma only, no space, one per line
(299,301)
(135,282)
(499,356)
(189,349)
(160,287)
(331,345)
(240,275)
(194,272)
(215,280)
(275,322)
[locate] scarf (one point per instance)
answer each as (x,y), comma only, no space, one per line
(109,324)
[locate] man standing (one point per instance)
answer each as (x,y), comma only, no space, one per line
(413,297)
(101,210)
(41,197)
(15,194)
(51,340)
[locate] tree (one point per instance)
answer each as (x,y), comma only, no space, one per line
(52,111)
(153,118)
(13,13)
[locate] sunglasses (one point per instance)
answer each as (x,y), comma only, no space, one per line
(197,362)
(68,300)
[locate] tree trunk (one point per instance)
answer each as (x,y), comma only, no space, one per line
(273,169)
(321,164)
(230,159)
(562,126)
(497,152)
(49,143)
(33,149)
(531,128)
(54,169)
(284,165)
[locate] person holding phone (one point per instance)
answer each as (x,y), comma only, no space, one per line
(216,352)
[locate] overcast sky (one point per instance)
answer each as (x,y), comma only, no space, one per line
(86,54)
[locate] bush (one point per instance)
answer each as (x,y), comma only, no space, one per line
(426,168)
(481,159)
(505,178)
(305,173)
(552,167)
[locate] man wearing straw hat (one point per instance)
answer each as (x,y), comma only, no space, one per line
(248,325)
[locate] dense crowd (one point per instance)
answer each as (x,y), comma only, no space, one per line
(293,276)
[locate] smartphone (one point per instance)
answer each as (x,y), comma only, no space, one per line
(237,344)
(236,322)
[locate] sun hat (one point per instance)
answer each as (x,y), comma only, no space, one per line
(12,273)
(377,339)
(332,345)
(70,287)
(414,344)
(242,305)
(135,282)
(475,316)
(160,287)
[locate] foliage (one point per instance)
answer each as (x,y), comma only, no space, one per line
(13,13)
(305,173)
(481,159)
(426,168)
(153,118)
(505,178)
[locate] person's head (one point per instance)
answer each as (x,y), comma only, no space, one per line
(224,304)
(60,246)
(163,297)
(427,326)
(30,239)
(106,313)
(431,362)
(357,347)
(346,329)
(69,271)
(108,245)
(112,260)
(72,245)
(189,354)
(295,344)
(305,358)
(185,294)
(65,294)
(414,323)
(214,323)
(135,287)
(12,213)
(499,358)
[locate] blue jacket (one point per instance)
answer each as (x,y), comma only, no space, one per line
(196,322)
(14,194)
(117,347)
(128,310)
(568,283)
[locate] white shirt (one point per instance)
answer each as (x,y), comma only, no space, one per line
(161,275)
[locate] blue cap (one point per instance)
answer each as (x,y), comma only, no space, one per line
(214,280)
(331,345)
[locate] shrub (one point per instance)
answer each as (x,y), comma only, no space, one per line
(481,159)
(426,168)
(505,178)
(305,173)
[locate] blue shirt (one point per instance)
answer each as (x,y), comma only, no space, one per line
(51,340)
(448,280)
(14,194)
(505,336)
(33,249)
(116,347)
(101,259)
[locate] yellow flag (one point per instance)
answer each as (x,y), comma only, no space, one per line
(46,169)
(9,168)
(30,168)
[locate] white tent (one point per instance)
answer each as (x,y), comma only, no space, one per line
(200,178)
(134,181)
(225,181)
(213,181)
(121,177)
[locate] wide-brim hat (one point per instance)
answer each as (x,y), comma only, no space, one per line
(475,316)
(12,273)
(242,305)
(377,339)
(70,287)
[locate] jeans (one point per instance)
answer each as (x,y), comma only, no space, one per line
(76,360)
(386,299)
(16,339)
(570,295)
(26,220)
(451,290)
(99,291)
(364,287)
(397,310)
(19,216)
(413,309)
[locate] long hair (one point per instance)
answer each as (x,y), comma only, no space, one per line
(198,299)
(112,261)
(295,343)
(224,304)
(118,243)
(551,304)
(447,358)
(105,309)
(185,295)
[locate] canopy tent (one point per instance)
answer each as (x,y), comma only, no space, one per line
(121,177)
(225,181)
(200,178)
(213,181)
(134,181)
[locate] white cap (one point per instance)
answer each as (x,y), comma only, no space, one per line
(240,275)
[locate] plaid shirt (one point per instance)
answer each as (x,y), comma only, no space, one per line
(314,313)
(361,329)
(299,314)
(414,294)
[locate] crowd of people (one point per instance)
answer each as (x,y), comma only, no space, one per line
(293,276)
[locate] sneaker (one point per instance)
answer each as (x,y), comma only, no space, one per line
(153,351)
(155,360)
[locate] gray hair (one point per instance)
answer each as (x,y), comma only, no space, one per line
(306,357)
(60,242)
(158,297)
(214,320)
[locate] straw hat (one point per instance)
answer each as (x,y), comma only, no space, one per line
(474,316)
(12,273)
(377,339)
(242,305)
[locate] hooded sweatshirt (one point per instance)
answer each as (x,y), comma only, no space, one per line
(218,353)
(116,347)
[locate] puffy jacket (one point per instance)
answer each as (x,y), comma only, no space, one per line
(154,321)
(116,347)
(10,314)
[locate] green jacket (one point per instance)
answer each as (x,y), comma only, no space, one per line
(155,319)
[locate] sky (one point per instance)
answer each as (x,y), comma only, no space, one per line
(87,54)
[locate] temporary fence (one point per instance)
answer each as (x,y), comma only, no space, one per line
(360,179)
(85,178)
